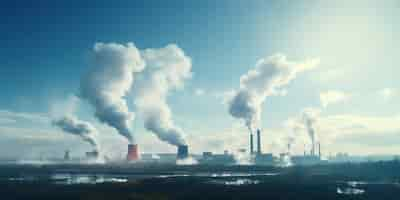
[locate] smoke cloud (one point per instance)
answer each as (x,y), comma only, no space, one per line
(332,96)
(167,69)
(295,128)
(267,79)
(309,117)
(109,80)
(83,129)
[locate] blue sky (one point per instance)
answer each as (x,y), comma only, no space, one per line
(46,49)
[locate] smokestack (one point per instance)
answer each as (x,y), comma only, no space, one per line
(258,141)
(183,152)
(319,150)
(313,147)
(66,155)
(133,152)
(251,144)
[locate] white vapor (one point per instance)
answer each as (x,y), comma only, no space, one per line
(388,93)
(187,161)
(108,82)
(199,92)
(83,129)
(309,117)
(295,127)
(167,69)
(266,79)
(332,96)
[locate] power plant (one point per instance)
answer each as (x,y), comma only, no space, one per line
(260,158)
(308,159)
(254,156)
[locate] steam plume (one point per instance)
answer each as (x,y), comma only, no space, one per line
(296,129)
(109,80)
(309,117)
(167,69)
(267,79)
(83,129)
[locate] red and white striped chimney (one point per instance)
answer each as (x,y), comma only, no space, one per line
(133,152)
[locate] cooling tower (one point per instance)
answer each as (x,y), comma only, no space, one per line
(183,152)
(133,152)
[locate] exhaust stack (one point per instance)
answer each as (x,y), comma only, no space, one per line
(319,150)
(183,152)
(133,152)
(259,141)
(251,144)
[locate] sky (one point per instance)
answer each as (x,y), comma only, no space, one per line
(47,48)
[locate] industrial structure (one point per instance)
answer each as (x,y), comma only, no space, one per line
(308,159)
(67,156)
(218,159)
(183,152)
(133,152)
(254,155)
(260,158)
(92,155)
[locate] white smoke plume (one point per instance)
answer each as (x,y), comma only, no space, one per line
(108,82)
(167,69)
(267,79)
(295,127)
(187,161)
(84,130)
(243,158)
(309,117)
(332,96)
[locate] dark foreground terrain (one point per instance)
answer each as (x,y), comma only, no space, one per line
(345,181)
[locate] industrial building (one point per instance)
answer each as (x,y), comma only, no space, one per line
(92,155)
(253,156)
(258,157)
(308,159)
(217,159)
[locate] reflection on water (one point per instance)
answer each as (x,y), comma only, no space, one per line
(242,174)
(172,175)
(358,187)
(74,178)
(71,179)
(236,182)
(350,191)
(217,175)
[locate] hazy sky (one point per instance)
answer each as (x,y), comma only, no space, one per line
(354,90)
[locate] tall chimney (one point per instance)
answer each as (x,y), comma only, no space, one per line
(133,152)
(313,148)
(251,144)
(183,152)
(66,155)
(258,141)
(319,150)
